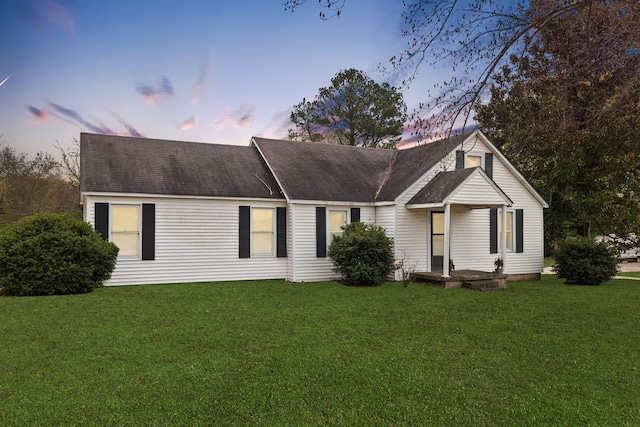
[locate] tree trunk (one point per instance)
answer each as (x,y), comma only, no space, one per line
(584,229)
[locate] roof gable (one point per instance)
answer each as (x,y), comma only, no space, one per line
(275,169)
(116,164)
(412,163)
(326,172)
(471,186)
(511,168)
(329,172)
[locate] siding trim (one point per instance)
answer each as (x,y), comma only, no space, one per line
(519,231)
(321,232)
(355,214)
(488,164)
(148,231)
(281,232)
(493,230)
(459,159)
(244,247)
(102,219)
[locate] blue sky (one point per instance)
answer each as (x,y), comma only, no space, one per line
(193,70)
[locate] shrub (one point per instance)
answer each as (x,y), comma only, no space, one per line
(585,262)
(53,254)
(362,255)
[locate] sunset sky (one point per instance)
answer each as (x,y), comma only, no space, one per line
(194,70)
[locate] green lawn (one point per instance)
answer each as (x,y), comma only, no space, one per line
(274,353)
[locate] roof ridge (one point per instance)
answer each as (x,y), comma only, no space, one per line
(349,147)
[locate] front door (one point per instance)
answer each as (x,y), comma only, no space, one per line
(437,241)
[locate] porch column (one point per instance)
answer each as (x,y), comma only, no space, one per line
(503,239)
(447,233)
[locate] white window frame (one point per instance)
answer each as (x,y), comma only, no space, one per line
(138,256)
(511,220)
(272,253)
(330,233)
(474,156)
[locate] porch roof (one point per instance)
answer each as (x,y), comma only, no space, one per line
(471,187)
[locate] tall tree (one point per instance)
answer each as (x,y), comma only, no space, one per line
(472,39)
(563,77)
(567,113)
(353,110)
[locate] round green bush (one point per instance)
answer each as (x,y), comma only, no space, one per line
(53,254)
(362,255)
(585,262)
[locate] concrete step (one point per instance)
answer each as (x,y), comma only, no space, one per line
(483,285)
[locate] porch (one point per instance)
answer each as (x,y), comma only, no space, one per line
(471,279)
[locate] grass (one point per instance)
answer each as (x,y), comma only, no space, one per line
(274,353)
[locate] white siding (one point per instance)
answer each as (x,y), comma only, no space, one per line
(470,228)
(195,241)
(469,239)
(385,217)
(477,189)
(308,267)
(198,240)
(411,236)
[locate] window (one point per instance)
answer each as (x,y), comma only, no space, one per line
(130,227)
(337,220)
(262,231)
(125,229)
(474,161)
(509,231)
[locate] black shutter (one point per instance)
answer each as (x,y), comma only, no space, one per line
(519,230)
(102,219)
(281,232)
(493,230)
(148,231)
(459,159)
(355,214)
(488,164)
(245,232)
(321,232)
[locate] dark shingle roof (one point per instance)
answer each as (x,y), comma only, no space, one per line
(311,171)
(441,186)
(151,166)
(306,171)
(412,163)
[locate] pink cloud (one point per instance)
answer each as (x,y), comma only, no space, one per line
(190,123)
(240,117)
(38,114)
(155,92)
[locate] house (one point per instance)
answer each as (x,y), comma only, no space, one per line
(190,212)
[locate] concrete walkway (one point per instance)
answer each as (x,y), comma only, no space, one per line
(623,267)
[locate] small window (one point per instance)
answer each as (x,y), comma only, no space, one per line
(337,220)
(125,230)
(509,231)
(262,235)
(474,161)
